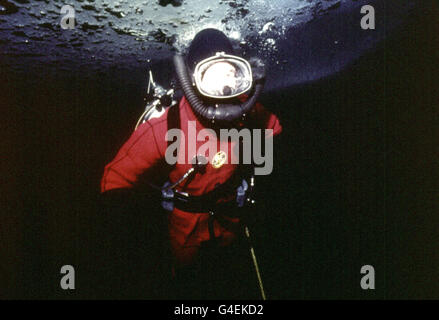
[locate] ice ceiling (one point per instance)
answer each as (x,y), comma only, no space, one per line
(300,39)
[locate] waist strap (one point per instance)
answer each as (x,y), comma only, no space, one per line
(201,204)
(204,203)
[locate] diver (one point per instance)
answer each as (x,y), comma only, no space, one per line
(204,198)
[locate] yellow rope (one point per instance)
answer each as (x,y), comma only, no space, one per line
(255,263)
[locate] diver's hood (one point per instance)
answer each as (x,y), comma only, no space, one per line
(212,76)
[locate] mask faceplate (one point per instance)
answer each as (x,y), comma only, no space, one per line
(223,76)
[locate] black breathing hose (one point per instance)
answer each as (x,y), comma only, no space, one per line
(221,113)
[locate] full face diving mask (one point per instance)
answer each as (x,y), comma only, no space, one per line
(223,76)
(218,78)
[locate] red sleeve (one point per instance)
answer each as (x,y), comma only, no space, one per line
(267,119)
(139,153)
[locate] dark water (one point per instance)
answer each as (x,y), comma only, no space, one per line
(355,182)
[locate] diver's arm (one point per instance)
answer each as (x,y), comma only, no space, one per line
(130,224)
(124,198)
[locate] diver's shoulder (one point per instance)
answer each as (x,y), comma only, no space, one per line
(156,122)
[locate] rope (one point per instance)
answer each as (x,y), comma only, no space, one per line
(255,263)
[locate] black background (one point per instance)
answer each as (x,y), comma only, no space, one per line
(355,181)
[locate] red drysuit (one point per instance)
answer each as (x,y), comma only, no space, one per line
(147,146)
